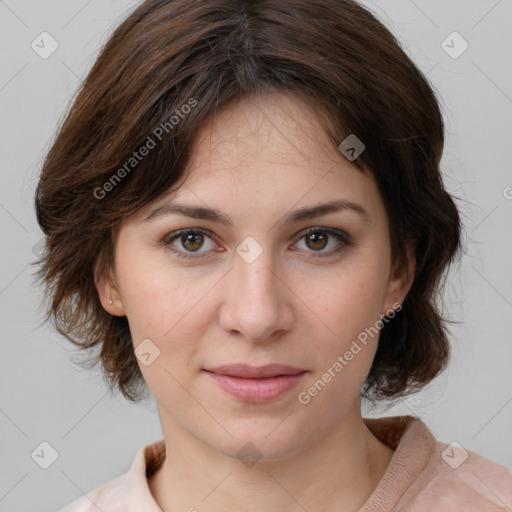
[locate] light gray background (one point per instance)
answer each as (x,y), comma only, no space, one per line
(46,398)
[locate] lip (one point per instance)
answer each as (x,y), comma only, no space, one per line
(256,384)
(246,371)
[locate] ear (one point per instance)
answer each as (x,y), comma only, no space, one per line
(108,291)
(398,287)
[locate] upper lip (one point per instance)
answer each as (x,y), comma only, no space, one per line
(251,372)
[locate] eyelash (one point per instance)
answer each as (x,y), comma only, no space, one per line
(342,237)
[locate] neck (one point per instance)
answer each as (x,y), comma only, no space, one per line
(339,473)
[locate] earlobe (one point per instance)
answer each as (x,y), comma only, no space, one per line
(398,286)
(108,294)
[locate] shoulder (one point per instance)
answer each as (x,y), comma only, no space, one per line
(457,479)
(426,474)
(128,492)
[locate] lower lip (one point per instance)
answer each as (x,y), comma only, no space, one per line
(257,390)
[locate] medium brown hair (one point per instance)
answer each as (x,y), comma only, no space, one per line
(335,55)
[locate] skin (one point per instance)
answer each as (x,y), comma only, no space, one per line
(256,162)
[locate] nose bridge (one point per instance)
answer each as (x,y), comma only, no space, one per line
(255,273)
(258,306)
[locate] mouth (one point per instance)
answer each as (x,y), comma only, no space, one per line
(256,384)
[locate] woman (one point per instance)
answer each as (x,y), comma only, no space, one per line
(244,212)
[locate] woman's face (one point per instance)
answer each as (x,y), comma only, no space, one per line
(249,286)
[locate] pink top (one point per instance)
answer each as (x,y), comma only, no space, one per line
(423,475)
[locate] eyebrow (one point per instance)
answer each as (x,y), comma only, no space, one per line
(211,214)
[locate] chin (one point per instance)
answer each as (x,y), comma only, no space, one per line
(261,441)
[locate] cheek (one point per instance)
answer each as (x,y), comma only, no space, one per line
(336,386)
(167,307)
(154,296)
(347,302)
(150,306)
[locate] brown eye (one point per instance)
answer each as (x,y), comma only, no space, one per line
(188,243)
(192,242)
(317,240)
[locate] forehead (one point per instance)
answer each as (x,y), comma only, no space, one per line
(274,129)
(274,145)
(269,155)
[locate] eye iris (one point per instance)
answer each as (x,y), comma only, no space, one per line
(315,237)
(193,239)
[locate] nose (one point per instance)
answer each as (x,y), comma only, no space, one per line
(259,302)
